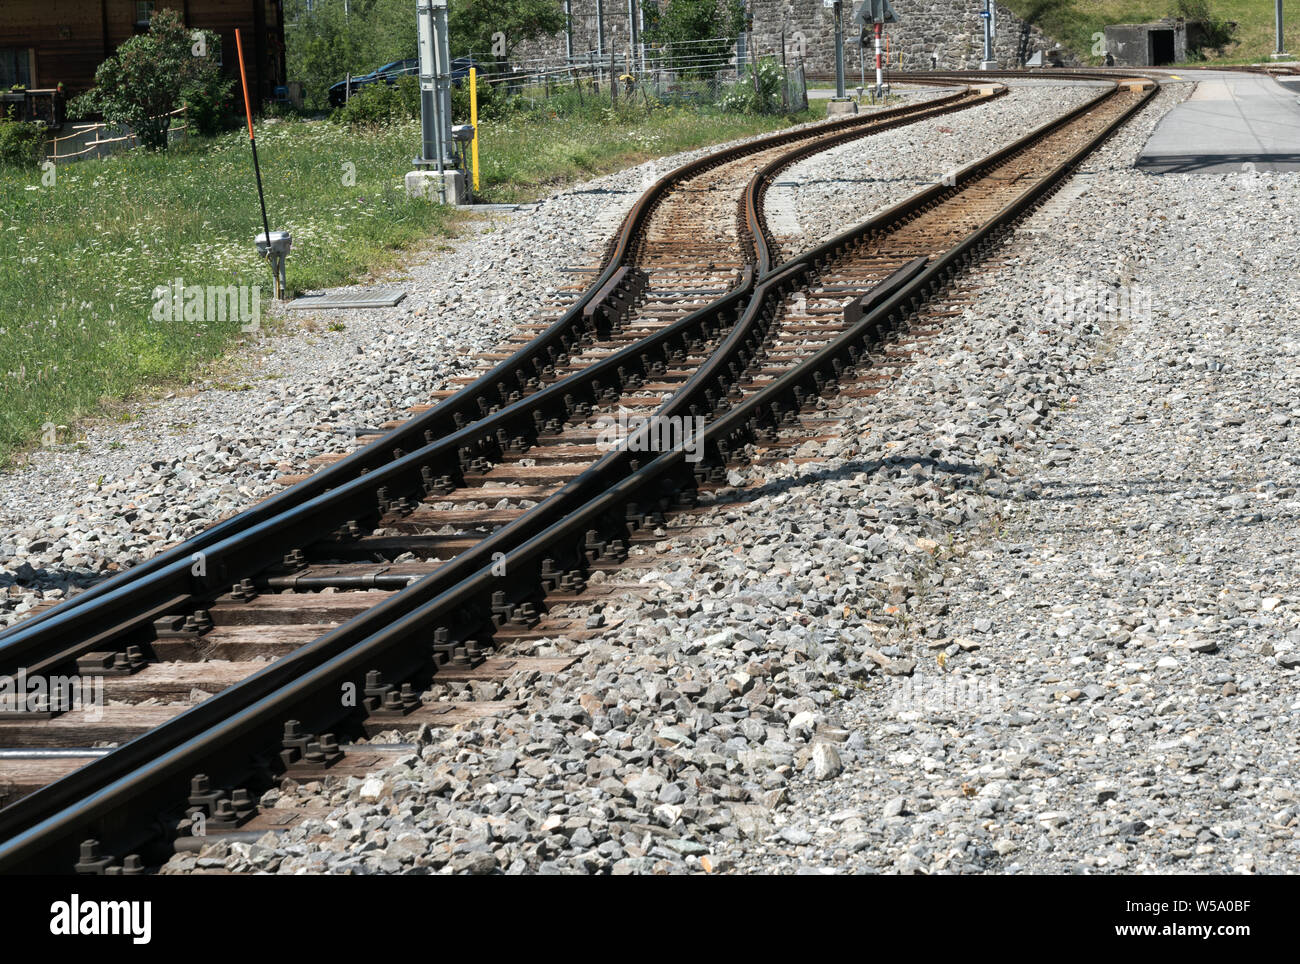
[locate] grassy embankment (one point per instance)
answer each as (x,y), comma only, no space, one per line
(1074,22)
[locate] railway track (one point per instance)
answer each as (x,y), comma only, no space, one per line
(421,568)
(707,191)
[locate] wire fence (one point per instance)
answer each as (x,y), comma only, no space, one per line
(710,72)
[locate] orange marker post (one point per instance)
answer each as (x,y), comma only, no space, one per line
(252,141)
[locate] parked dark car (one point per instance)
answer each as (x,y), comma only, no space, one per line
(460,68)
(390,72)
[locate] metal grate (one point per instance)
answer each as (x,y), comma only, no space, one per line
(373,298)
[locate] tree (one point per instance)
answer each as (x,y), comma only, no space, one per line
(327,42)
(477,25)
(696,35)
(141,84)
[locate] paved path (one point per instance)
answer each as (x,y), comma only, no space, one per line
(1230,120)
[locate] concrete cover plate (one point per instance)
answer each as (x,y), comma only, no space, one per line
(372,298)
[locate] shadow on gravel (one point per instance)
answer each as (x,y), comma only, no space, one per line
(602,191)
(903,179)
(1215,163)
(735,496)
(30,579)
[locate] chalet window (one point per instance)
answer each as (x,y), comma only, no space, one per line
(143,11)
(15,67)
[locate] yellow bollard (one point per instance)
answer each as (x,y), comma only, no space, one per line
(473,119)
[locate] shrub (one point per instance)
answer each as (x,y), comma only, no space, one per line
(140,85)
(1216,33)
(22,144)
(209,104)
(82,107)
(492,100)
(408,91)
(379,105)
(759,91)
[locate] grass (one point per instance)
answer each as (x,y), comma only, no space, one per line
(80,258)
(521,158)
(1074,22)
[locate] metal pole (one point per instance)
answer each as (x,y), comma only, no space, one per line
(424,40)
(252,141)
(600,32)
(432,144)
(442,48)
(988,63)
(785,74)
(634,34)
(742,53)
(1280,49)
(862,59)
(640,32)
(839,50)
(568,33)
(473,120)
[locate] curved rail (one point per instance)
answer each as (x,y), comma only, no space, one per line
(496,390)
(116,794)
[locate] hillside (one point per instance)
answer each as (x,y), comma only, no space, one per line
(1073,22)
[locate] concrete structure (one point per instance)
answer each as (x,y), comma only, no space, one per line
(1233,122)
(431,185)
(944,33)
(1155,44)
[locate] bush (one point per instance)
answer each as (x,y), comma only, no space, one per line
(492,100)
(379,105)
(759,91)
(1217,33)
(22,144)
(81,107)
(209,105)
(146,79)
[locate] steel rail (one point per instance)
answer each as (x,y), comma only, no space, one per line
(489,393)
(228,553)
(108,795)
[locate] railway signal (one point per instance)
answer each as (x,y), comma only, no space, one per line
(876,13)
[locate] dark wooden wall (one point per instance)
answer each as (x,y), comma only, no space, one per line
(70,38)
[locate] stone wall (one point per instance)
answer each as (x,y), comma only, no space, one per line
(949,30)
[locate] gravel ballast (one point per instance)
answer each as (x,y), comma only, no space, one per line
(827,194)
(1033,610)
(76,513)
